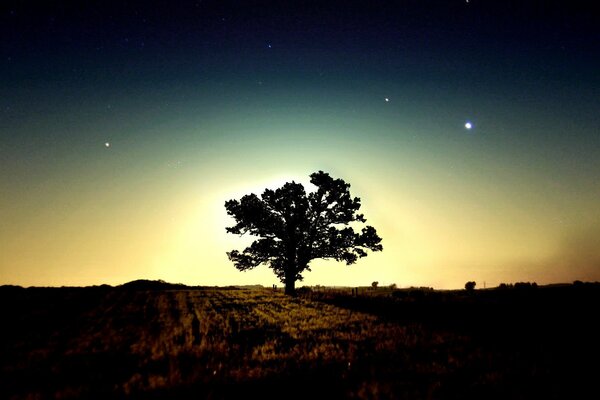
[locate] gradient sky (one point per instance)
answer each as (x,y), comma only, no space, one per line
(204,101)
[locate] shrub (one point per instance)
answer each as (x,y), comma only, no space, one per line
(470,286)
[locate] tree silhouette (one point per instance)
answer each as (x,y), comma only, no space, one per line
(295,227)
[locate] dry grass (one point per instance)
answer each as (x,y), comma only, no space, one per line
(217,343)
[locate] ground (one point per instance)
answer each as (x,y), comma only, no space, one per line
(151,342)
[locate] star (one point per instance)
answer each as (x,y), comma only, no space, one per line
(387,99)
(468,125)
(107,144)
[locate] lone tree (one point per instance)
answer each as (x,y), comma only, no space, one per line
(295,227)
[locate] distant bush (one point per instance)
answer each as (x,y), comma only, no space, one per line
(525,285)
(393,286)
(303,290)
(470,286)
(579,285)
(375,284)
(518,286)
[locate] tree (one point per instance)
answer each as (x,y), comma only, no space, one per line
(294,228)
(375,284)
(470,286)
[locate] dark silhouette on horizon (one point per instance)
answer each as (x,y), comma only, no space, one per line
(295,227)
(470,286)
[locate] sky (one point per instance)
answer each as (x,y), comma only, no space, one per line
(469,129)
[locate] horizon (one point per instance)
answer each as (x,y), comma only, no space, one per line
(469,130)
(281,287)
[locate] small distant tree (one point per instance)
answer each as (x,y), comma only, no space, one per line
(393,286)
(375,284)
(294,228)
(470,286)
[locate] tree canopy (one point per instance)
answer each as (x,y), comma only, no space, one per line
(294,228)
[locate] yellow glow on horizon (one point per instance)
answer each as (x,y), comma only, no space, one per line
(160,222)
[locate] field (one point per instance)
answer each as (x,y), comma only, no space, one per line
(177,342)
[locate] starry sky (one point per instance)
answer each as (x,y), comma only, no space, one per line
(469,129)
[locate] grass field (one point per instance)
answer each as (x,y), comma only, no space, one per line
(106,342)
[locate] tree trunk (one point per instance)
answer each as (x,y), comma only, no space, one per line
(290,282)
(290,268)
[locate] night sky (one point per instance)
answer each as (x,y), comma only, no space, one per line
(469,129)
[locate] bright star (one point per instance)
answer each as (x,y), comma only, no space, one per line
(387,99)
(107,144)
(468,125)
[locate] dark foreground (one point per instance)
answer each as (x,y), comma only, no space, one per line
(159,341)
